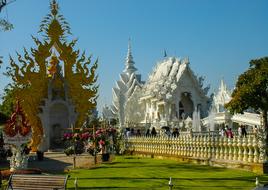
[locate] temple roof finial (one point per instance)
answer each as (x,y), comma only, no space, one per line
(223,86)
(129,53)
(130,68)
(165,53)
(54,7)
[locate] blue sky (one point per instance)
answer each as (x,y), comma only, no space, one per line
(220,37)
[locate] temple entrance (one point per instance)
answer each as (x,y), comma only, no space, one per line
(186,106)
(58,117)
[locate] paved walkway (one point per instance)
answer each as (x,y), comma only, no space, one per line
(54,162)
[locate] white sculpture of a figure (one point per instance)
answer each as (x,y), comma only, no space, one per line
(17,134)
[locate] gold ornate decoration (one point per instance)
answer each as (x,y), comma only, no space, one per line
(33,73)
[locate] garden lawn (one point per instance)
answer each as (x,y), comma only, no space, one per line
(132,172)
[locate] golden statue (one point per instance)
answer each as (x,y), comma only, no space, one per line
(53,66)
(33,73)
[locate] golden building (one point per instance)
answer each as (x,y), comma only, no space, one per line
(55,83)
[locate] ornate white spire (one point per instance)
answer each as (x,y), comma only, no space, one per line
(222,97)
(223,86)
(130,68)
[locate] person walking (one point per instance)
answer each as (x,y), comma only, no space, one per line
(255,130)
(138,134)
(223,132)
(147,134)
(239,131)
(229,133)
(244,131)
(175,132)
(153,133)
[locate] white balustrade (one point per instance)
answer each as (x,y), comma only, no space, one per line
(249,149)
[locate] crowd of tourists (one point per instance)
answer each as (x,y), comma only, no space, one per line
(241,131)
(226,132)
(166,131)
(151,132)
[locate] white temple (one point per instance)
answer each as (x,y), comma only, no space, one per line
(172,96)
(173,93)
(219,116)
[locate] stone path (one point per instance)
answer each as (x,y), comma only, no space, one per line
(54,162)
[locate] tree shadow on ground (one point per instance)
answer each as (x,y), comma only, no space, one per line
(49,165)
(105,187)
(179,183)
(249,178)
(175,166)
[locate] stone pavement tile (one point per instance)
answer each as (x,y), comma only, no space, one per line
(261,187)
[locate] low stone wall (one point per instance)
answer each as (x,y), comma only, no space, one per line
(243,153)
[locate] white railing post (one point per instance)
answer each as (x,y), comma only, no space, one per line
(245,153)
(240,154)
(225,144)
(194,146)
(190,144)
(250,152)
(256,150)
(230,156)
(235,153)
(217,147)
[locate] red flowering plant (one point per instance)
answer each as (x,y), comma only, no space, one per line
(101,141)
(76,142)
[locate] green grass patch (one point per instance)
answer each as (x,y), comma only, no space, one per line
(148,173)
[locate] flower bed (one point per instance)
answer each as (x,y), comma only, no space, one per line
(90,141)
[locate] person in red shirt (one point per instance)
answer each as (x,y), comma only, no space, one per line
(229,133)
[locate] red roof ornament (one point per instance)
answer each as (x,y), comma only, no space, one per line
(17,123)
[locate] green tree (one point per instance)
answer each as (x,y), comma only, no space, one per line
(8,101)
(5,25)
(251,91)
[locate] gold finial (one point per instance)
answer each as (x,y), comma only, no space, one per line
(54,7)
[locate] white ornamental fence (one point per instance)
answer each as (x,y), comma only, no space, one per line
(250,149)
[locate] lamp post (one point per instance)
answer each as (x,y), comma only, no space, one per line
(94,145)
(74,155)
(170,184)
(75,184)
